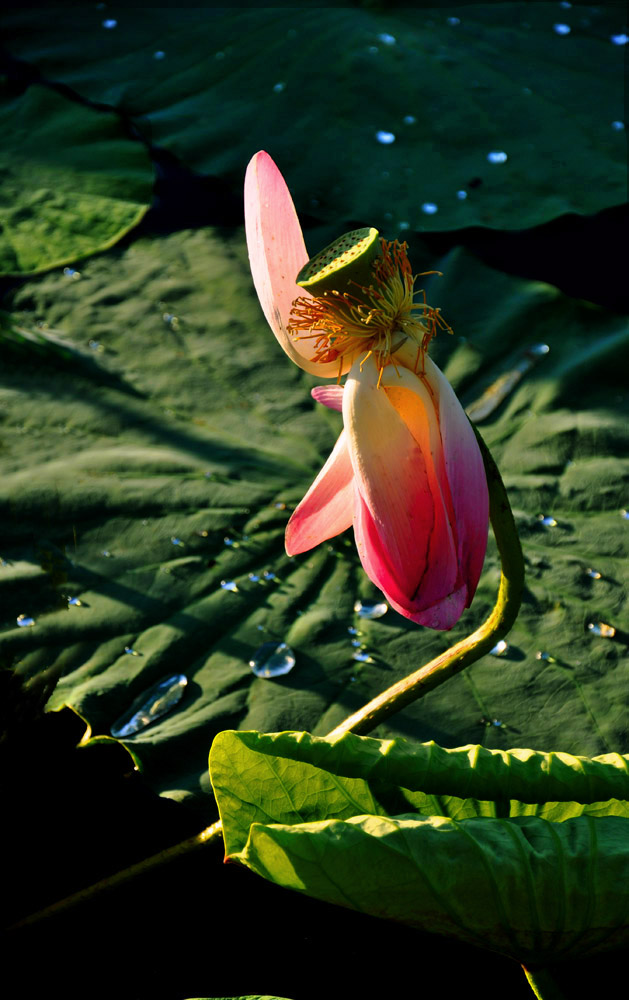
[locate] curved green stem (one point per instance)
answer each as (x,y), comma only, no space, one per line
(479,642)
(543,984)
(186,847)
(395,698)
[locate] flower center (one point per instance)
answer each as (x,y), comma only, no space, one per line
(363,301)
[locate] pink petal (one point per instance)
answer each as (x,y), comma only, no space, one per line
(277,253)
(441,615)
(416,406)
(327,508)
(396,482)
(329,395)
(466,478)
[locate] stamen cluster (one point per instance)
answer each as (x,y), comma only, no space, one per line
(375,319)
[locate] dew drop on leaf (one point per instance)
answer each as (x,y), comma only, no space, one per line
(272,659)
(499,649)
(547,520)
(150,706)
(602,630)
(371,609)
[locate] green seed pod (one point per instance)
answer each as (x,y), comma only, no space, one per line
(343,264)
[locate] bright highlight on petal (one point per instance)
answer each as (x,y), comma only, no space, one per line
(277,253)
(406,471)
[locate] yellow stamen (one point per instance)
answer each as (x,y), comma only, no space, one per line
(376,319)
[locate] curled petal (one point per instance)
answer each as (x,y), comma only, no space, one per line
(327,508)
(329,395)
(442,615)
(393,480)
(415,403)
(277,253)
(466,478)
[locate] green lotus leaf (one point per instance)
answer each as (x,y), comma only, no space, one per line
(190,423)
(533,888)
(445,117)
(72,182)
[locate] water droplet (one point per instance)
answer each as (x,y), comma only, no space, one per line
(71,273)
(404,225)
(497,156)
(219,55)
(150,706)
(453,20)
(499,649)
(95,345)
(202,534)
(272,659)
(357,643)
(353,631)
(107,554)
(409,119)
(159,54)
(429,208)
(177,541)
(171,320)
(539,350)
(386,138)
(280,505)
(601,629)
(542,655)
(254,577)
(229,585)
(25,621)
(593,573)
(362,656)
(269,575)
(625,514)
(373,49)
(621,39)
(497,723)
(74,602)
(386,38)
(618,126)
(130,651)
(230,543)
(371,609)
(565,4)
(461,195)
(388,215)
(110,23)
(561,29)
(278,87)
(547,520)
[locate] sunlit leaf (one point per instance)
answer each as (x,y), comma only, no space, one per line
(191,424)
(72,182)
(295,812)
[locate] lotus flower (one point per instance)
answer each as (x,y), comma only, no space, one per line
(406,470)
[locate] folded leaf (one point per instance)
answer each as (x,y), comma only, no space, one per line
(438,839)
